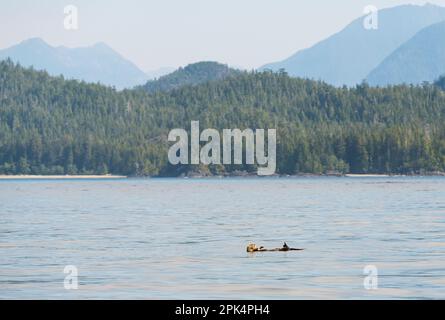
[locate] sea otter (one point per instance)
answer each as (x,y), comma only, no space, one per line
(253,248)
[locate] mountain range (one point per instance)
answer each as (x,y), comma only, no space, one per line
(407,47)
(100,63)
(97,63)
(348,57)
(420,59)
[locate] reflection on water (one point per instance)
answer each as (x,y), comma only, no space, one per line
(182,238)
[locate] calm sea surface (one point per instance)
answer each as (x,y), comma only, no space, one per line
(186,239)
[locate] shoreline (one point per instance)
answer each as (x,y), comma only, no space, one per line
(59,177)
(111,177)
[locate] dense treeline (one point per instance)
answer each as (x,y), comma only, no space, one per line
(191,75)
(50,125)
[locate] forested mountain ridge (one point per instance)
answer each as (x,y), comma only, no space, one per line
(192,74)
(49,125)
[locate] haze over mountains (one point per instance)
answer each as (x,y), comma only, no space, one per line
(420,59)
(52,126)
(348,57)
(98,63)
(408,47)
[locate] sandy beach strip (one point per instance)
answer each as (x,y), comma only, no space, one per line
(60,177)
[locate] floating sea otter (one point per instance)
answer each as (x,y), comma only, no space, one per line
(253,248)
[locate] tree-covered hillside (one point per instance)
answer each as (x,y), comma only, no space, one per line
(52,126)
(193,74)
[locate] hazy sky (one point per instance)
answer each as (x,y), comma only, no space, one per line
(171,33)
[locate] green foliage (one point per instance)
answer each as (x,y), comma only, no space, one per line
(50,125)
(192,74)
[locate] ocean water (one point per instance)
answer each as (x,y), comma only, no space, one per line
(186,238)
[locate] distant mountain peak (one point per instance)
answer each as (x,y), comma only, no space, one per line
(102,46)
(347,57)
(96,63)
(420,59)
(34,42)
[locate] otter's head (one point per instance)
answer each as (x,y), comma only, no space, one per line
(252,247)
